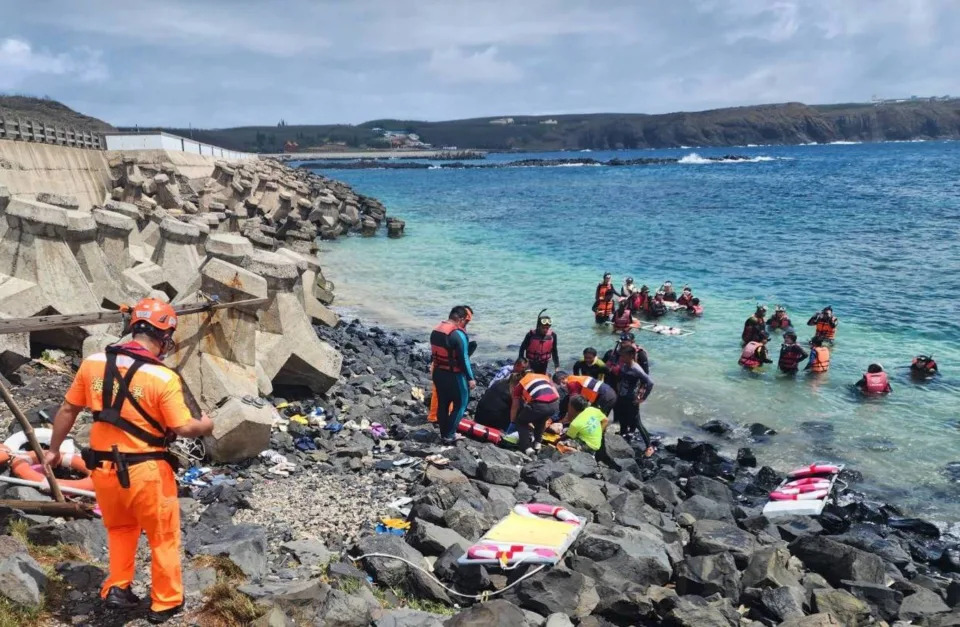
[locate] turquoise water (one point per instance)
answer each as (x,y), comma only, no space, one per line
(870,229)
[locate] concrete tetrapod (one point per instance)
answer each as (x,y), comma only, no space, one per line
(105,280)
(34,250)
(309,269)
(288,349)
(177,253)
(240,430)
(216,352)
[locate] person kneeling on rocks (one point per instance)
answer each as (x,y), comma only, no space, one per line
(584,424)
(535,400)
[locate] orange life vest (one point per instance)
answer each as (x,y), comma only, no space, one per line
(748,358)
(537,388)
(589,387)
(826,331)
(604,304)
(821,362)
(443,357)
(876,382)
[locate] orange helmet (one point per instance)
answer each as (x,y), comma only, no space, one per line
(156,313)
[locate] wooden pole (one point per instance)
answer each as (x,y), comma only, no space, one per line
(34,444)
(46,508)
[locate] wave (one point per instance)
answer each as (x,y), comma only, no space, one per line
(695,159)
(841,142)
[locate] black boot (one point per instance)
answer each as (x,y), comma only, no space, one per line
(163,616)
(121,599)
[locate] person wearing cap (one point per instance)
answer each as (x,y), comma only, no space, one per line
(825,323)
(612,356)
(686,296)
(138,409)
(874,381)
(669,294)
(628,288)
(753,326)
(540,346)
(779,320)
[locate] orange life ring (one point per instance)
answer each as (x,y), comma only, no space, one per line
(22,467)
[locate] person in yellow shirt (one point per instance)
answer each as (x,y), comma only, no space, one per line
(588,425)
(138,409)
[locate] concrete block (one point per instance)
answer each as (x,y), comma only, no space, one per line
(240,430)
(113,236)
(230,247)
(58,200)
(95,343)
(105,280)
(14,351)
(176,253)
(124,208)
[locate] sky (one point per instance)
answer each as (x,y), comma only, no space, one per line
(221,63)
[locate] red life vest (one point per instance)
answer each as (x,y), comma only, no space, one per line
(684,299)
(443,357)
(623,321)
(779,323)
(537,388)
(748,358)
(588,387)
(697,310)
(540,349)
(790,357)
(876,383)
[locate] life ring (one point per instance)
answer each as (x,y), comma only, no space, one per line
(806,481)
(23,467)
(17,441)
(805,496)
(803,489)
(814,469)
(534,510)
(510,553)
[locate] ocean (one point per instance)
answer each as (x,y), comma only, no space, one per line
(870,229)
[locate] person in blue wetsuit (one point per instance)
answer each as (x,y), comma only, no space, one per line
(452,372)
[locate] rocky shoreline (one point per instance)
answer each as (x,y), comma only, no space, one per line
(377,164)
(677,539)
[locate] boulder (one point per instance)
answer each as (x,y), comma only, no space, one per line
(557,590)
(467,521)
(845,607)
(499,474)
(432,539)
(245,545)
(88,535)
(884,601)
(304,593)
(836,561)
(921,604)
(813,620)
(406,617)
(241,430)
(703,508)
(22,580)
(394,573)
(636,556)
(576,492)
(710,488)
(783,603)
(709,574)
(768,569)
(341,609)
(714,536)
(496,613)
(309,552)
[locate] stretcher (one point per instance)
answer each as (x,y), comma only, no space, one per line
(535,533)
(661,329)
(804,492)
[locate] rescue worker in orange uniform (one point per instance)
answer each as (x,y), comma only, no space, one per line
(138,409)
(535,400)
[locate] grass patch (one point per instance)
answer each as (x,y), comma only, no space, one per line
(50,556)
(18,529)
(16,615)
(226,607)
(226,569)
(350,585)
(423,605)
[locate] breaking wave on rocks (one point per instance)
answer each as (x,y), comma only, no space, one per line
(695,159)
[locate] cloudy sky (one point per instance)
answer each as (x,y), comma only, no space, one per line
(215,63)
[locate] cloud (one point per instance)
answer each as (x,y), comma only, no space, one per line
(19,63)
(453,66)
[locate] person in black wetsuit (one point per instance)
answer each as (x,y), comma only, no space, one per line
(452,371)
(634,387)
(540,345)
(753,327)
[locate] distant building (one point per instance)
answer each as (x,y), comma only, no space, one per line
(413,137)
(548,122)
(502,121)
(449,148)
(291,146)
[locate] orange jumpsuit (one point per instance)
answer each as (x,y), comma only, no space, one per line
(150,503)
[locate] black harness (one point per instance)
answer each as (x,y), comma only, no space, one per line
(110,414)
